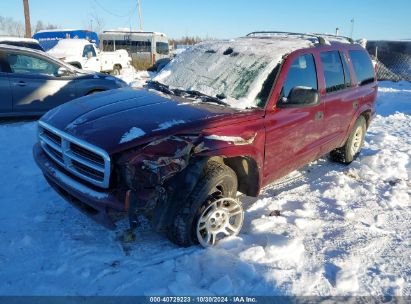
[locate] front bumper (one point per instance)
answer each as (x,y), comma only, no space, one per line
(98,204)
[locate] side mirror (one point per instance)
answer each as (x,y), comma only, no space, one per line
(63,71)
(301,97)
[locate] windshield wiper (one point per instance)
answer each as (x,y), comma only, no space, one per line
(205,97)
(159,87)
(183,93)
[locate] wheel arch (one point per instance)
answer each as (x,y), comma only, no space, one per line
(76,64)
(247,171)
(367,112)
(94,90)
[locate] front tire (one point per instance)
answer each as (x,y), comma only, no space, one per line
(352,148)
(210,213)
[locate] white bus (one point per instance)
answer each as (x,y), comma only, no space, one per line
(145,48)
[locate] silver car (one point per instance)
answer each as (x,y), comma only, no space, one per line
(32,82)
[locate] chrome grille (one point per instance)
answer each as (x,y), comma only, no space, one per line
(80,158)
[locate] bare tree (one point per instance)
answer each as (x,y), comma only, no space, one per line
(10,27)
(98,23)
(27,18)
(39,26)
(52,26)
(188,40)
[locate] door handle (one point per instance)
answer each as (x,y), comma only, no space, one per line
(20,84)
(319,115)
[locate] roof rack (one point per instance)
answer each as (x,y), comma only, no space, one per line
(319,37)
(350,40)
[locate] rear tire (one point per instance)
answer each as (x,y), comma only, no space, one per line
(217,182)
(116,70)
(352,148)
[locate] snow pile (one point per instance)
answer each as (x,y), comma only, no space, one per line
(327,229)
(68,48)
(235,68)
(135,79)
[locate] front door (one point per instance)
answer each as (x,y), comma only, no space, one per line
(6,97)
(5,93)
(35,84)
(91,60)
(293,132)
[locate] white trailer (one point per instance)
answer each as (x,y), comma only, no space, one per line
(147,49)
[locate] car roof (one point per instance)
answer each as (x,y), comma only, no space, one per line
(7,47)
(20,48)
(317,40)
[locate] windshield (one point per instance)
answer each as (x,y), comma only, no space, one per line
(235,69)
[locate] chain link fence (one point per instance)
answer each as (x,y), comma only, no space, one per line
(393,59)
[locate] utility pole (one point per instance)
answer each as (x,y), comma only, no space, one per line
(337,31)
(27,18)
(352,27)
(140,18)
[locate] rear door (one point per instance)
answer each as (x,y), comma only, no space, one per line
(340,100)
(35,84)
(5,89)
(293,134)
(365,83)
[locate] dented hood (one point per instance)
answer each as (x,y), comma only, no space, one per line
(120,119)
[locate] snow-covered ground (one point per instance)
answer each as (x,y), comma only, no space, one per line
(343,230)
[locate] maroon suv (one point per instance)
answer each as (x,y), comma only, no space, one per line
(224,116)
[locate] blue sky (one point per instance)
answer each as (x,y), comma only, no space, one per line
(376,19)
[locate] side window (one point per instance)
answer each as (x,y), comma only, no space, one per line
(133,46)
(333,71)
(301,74)
(162,48)
(363,67)
(20,63)
(89,49)
(108,45)
(347,74)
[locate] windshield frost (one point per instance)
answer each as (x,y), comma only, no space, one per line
(235,69)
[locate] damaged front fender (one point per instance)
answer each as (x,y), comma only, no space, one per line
(157,162)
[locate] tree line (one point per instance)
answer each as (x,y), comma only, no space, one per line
(11,27)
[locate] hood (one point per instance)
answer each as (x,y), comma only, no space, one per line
(117,120)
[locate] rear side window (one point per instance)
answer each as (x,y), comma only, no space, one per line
(22,64)
(162,48)
(333,71)
(362,66)
(301,74)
